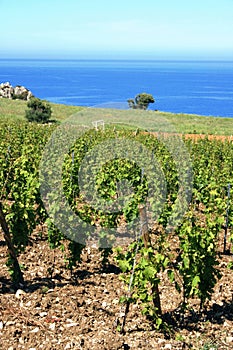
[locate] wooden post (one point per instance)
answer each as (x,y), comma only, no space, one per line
(144,225)
(147,243)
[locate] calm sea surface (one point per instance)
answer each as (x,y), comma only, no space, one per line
(204,87)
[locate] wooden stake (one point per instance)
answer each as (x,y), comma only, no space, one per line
(147,242)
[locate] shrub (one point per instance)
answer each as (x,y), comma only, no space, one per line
(38,111)
(141,101)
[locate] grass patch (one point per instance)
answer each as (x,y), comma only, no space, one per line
(182,123)
(15,110)
(196,124)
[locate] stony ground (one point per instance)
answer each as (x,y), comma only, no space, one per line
(58,311)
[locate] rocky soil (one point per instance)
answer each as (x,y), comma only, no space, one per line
(57,310)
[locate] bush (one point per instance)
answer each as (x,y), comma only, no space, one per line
(38,111)
(23,96)
(141,101)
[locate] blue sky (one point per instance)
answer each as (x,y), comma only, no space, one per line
(153,29)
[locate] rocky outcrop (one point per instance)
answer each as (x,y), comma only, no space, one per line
(17,92)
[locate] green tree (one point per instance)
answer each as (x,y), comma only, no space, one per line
(38,111)
(141,101)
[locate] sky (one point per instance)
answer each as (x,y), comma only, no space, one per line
(123,29)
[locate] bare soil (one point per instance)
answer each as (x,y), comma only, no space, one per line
(57,310)
(197,137)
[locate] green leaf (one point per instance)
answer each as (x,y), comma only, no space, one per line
(195,281)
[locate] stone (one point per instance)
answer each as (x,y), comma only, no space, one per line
(19,293)
(17,92)
(229,339)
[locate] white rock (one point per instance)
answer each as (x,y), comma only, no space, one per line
(104,304)
(74,324)
(35,330)
(168,346)
(52,326)
(229,339)
(1,325)
(19,293)
(115,301)
(21,340)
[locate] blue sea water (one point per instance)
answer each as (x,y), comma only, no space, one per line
(196,87)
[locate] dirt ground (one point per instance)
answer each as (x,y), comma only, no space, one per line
(197,137)
(58,311)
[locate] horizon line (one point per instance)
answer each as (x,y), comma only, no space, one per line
(117,59)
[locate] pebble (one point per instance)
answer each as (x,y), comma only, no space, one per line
(19,293)
(21,340)
(226,324)
(35,330)
(115,301)
(229,339)
(104,304)
(74,324)
(52,326)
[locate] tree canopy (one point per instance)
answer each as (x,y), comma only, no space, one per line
(141,101)
(38,111)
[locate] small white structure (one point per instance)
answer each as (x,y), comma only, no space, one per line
(98,123)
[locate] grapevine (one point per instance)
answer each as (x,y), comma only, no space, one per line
(194,260)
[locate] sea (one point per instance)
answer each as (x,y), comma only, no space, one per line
(194,87)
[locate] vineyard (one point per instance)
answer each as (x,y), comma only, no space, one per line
(141,218)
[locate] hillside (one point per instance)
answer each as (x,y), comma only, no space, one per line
(183,123)
(79,307)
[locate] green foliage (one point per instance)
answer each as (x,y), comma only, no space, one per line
(145,263)
(21,146)
(38,111)
(210,346)
(196,259)
(14,110)
(141,101)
